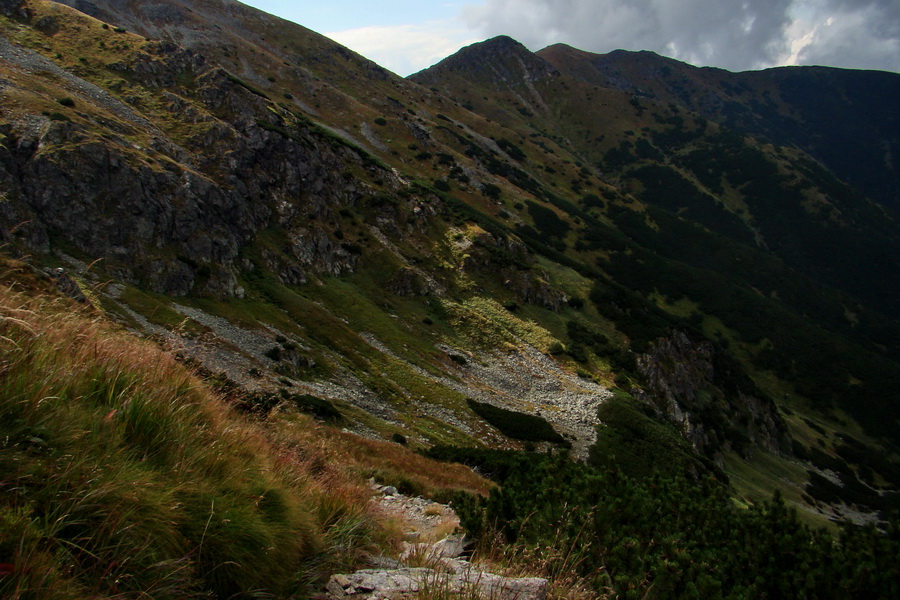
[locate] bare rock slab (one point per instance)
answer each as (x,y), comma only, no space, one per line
(407,582)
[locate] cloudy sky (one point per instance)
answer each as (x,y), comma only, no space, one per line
(406,36)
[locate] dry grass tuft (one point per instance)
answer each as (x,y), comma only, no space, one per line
(558,562)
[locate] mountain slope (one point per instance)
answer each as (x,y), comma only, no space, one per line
(396,255)
(833,235)
(843,118)
(125,474)
(732,226)
(248,199)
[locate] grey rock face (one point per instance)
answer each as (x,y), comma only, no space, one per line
(684,384)
(170,216)
(66,285)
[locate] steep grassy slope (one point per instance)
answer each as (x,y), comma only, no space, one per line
(125,475)
(247,200)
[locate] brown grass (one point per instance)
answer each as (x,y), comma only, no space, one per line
(123,475)
(388,463)
(554,561)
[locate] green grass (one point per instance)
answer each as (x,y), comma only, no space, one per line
(157,309)
(361,300)
(487,323)
(330,318)
(754,481)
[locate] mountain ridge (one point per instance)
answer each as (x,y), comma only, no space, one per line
(585,147)
(720,99)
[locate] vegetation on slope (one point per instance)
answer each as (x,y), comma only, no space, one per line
(670,537)
(519,426)
(123,475)
(675,222)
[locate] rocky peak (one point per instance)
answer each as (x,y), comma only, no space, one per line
(500,61)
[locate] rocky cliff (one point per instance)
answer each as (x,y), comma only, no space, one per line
(693,385)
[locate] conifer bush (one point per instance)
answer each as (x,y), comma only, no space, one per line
(667,537)
(519,426)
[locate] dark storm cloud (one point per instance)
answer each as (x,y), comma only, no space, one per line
(734,34)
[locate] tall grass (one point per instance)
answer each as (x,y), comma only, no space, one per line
(560,561)
(123,476)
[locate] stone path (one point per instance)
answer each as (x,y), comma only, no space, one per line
(423,520)
(426,568)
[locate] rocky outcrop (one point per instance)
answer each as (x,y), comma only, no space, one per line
(428,568)
(715,405)
(445,574)
(175,216)
(531,287)
(65,284)
(508,260)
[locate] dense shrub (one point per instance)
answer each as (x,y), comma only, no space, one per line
(513,151)
(634,440)
(516,425)
(441,185)
(321,408)
(671,537)
(491,191)
(547,221)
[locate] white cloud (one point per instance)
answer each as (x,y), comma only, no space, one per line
(733,34)
(729,33)
(864,35)
(405,49)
